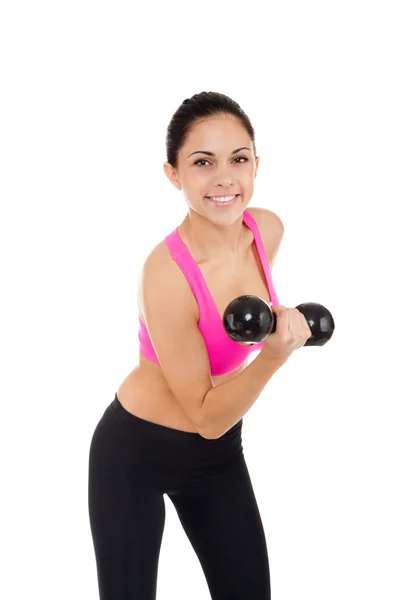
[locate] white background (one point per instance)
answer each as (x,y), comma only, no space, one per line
(87,92)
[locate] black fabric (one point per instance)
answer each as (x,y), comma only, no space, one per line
(132,464)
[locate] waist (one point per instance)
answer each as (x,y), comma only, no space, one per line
(153,434)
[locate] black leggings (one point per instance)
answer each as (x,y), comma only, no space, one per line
(132,464)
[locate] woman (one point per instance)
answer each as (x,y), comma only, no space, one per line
(175,424)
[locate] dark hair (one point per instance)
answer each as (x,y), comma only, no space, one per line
(196,108)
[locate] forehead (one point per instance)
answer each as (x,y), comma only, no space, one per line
(218,133)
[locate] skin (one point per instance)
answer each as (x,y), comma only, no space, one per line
(215,237)
(215,231)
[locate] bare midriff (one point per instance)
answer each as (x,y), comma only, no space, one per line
(145,393)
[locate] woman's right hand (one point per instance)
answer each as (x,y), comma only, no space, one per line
(292,332)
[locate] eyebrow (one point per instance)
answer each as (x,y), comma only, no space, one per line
(212,153)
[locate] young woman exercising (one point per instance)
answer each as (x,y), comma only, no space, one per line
(175,424)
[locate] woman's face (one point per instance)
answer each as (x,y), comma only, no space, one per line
(225,173)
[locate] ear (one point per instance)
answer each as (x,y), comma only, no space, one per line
(256,169)
(172,175)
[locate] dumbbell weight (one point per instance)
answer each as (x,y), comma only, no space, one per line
(249,319)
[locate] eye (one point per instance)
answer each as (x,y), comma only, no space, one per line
(202,160)
(199,161)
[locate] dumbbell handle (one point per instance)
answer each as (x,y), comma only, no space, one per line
(273,330)
(319,320)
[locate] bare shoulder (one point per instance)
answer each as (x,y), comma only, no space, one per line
(267,220)
(160,274)
(271,229)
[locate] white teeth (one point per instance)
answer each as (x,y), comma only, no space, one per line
(222,199)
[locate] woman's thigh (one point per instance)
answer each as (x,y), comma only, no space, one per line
(127,516)
(222,521)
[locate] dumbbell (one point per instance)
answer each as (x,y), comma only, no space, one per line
(249,319)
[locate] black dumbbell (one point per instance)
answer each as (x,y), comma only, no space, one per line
(250,319)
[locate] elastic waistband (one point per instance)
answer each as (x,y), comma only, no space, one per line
(135,421)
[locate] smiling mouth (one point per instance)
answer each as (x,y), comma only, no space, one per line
(222,200)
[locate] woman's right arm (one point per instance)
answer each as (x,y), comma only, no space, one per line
(170,317)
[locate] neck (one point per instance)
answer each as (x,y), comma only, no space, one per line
(208,241)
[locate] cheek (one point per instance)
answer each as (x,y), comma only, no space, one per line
(203,182)
(249,176)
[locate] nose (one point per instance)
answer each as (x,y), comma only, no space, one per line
(224,179)
(225,183)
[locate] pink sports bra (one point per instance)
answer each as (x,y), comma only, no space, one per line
(225,355)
